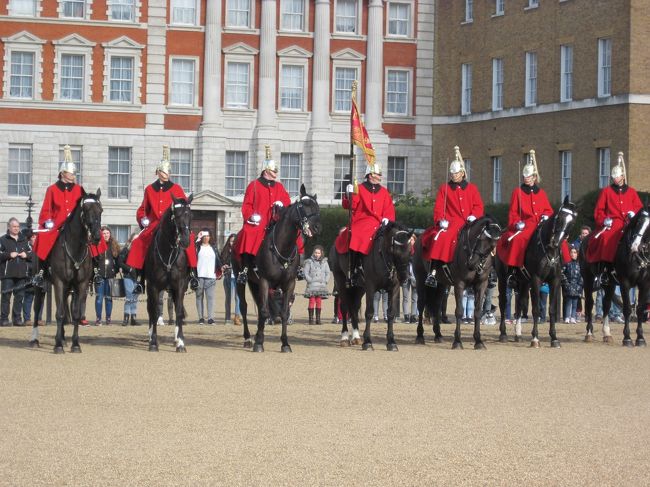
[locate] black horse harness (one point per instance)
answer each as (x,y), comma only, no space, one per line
(175,248)
(482,257)
(303,223)
(75,262)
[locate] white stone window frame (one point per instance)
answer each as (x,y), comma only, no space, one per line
(497,87)
(497,179)
(532,74)
(604,69)
(239,53)
(23,42)
(466,89)
(38,8)
(358,31)
(305,19)
(195,94)
(123,47)
(88,10)
(197,16)
(409,95)
(136,13)
(566,76)
(76,45)
(294,56)
(566,172)
(411,27)
(499,8)
(404,181)
(532,4)
(346,58)
(239,28)
(469,12)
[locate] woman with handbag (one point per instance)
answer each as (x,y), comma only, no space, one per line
(230,281)
(208,270)
(105,272)
(130,276)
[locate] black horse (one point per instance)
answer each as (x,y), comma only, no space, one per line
(631,269)
(71,269)
(470,268)
(276,265)
(165,268)
(542,263)
(384,268)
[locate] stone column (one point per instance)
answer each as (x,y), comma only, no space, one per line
(374,66)
(212,64)
(321,68)
(268,33)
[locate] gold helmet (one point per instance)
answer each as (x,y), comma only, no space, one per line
(530,168)
(457,165)
(165,164)
(269,164)
(619,169)
(67,164)
(374,168)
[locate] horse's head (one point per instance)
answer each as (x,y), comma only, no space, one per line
(398,244)
(482,237)
(91,215)
(639,231)
(307,214)
(564,218)
(181,216)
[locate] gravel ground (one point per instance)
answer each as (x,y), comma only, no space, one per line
(221,415)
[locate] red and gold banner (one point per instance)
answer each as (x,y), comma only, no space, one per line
(359,135)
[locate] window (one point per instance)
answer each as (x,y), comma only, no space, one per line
(500,7)
(292,15)
(236,168)
(181,160)
(21,84)
(397,92)
(565,161)
(533,3)
(531,79)
(292,84)
(468,169)
(119,172)
(346,16)
(466,90)
(496,179)
(603,166)
(469,10)
(604,67)
(497,84)
(396,178)
(72,77)
(239,13)
(76,151)
(566,76)
(341,168)
(237,85)
(123,10)
(343,78)
(182,82)
(399,19)
(120,233)
(121,81)
(183,12)
(290,164)
(73,9)
(19,174)
(22,8)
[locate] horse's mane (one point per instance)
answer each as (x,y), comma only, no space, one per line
(384,229)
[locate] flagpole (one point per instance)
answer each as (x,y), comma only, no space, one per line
(352,172)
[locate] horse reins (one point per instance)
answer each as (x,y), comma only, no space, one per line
(482,257)
(173,256)
(303,222)
(554,260)
(75,262)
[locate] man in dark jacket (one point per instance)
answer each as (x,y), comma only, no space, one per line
(15,262)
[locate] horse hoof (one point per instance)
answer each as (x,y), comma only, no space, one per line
(640,342)
(518,338)
(258,347)
(438,339)
(479,346)
(628,343)
(419,340)
(34,344)
(286,349)
(181,349)
(59,350)
(392,347)
(608,339)
(344,343)
(153,347)
(248,343)
(457,346)
(589,338)
(555,344)
(357,341)
(367,346)
(534,344)
(75,349)
(503,338)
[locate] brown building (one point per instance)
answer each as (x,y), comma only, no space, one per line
(568,78)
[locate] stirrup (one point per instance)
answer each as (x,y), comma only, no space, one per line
(242,277)
(39,281)
(138,288)
(431,281)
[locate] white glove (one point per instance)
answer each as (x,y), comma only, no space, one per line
(279,204)
(630,214)
(349,189)
(255,219)
(145,222)
(384,221)
(608,222)
(471,218)
(49,224)
(520,226)
(444,224)
(544,218)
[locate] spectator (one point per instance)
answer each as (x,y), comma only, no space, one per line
(106,267)
(543,301)
(383,297)
(410,297)
(468,305)
(487,311)
(208,270)
(585,230)
(28,299)
(130,276)
(572,287)
(230,280)
(15,263)
(317,276)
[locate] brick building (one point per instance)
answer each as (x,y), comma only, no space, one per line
(216,80)
(565,77)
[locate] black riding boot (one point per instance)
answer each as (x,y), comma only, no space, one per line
(311,315)
(247,261)
(431,280)
(40,276)
(511,279)
(194,281)
(139,285)
(356,260)
(318,316)
(601,279)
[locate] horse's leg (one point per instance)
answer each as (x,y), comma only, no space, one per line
(262,299)
(435,311)
(519,304)
(60,296)
(78,299)
(589,306)
(367,338)
(501,283)
(240,289)
(38,308)
(152,309)
(178,293)
(284,314)
(627,311)
(479,295)
(343,304)
(607,305)
(459,311)
(536,283)
(419,339)
(641,300)
(393,304)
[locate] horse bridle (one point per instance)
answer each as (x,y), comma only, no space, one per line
(175,248)
(390,267)
(556,259)
(302,218)
(482,257)
(303,224)
(82,201)
(638,248)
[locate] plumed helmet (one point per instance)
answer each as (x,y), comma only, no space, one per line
(67,163)
(619,169)
(269,164)
(530,168)
(457,165)
(165,164)
(374,168)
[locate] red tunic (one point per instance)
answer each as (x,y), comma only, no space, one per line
(462,200)
(60,200)
(259,198)
(157,198)
(527,204)
(614,202)
(370,206)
